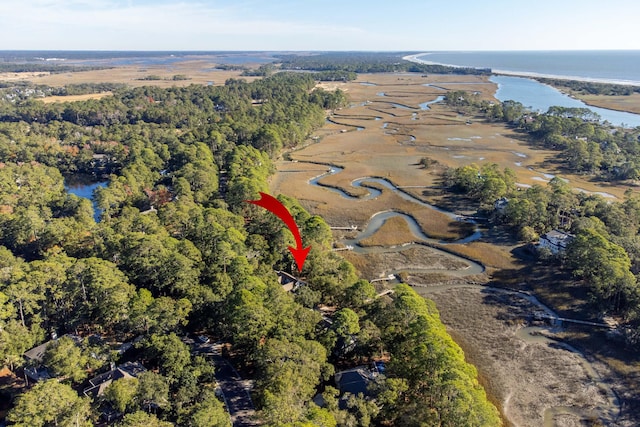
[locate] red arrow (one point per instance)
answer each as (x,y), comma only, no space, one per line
(273,205)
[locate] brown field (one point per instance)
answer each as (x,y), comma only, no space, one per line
(8,77)
(73,98)
(198,71)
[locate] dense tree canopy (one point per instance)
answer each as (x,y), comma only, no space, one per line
(50,403)
(178,250)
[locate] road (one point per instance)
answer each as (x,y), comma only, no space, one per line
(236,393)
(235,390)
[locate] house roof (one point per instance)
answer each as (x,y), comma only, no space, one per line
(557,238)
(36,354)
(354,380)
(100,383)
(557,235)
(288,281)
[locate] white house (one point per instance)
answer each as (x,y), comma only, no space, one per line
(556,241)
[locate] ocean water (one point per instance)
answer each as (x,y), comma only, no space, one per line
(604,66)
(619,66)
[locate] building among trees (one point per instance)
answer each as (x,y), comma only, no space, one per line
(556,241)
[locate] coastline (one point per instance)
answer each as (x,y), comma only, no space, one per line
(528,74)
(606,102)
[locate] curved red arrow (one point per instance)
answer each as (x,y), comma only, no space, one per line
(273,205)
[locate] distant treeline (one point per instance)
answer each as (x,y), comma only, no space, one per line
(16,91)
(592,88)
(323,76)
(230,67)
(86,88)
(369,62)
(43,68)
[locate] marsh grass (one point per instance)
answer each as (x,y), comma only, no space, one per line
(488,254)
(395,231)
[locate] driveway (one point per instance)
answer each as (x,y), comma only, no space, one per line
(235,390)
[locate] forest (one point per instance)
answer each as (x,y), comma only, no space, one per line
(178,252)
(369,62)
(592,88)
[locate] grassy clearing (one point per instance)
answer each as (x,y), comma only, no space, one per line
(73,98)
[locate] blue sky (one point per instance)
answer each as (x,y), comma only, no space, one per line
(417,25)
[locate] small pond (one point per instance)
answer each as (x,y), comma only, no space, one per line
(84,186)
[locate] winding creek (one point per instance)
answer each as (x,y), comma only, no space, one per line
(609,410)
(377,220)
(530,335)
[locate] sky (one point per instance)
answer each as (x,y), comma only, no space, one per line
(301,25)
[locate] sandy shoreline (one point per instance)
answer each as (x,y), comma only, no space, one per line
(414,58)
(612,103)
